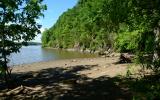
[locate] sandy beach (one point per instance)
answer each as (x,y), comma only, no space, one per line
(101,66)
(71,79)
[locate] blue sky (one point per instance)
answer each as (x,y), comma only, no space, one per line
(54,9)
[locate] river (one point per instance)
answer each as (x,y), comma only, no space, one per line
(31,54)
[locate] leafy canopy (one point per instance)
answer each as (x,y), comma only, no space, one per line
(127,25)
(18,25)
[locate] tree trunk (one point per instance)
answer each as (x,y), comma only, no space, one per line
(4,55)
(156,55)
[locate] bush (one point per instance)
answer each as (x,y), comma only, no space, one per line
(127,41)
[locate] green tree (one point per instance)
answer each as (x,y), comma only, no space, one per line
(17,26)
(146,17)
(84,26)
(130,25)
(142,16)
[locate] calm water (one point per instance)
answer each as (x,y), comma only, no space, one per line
(33,54)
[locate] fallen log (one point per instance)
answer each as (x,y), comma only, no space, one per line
(13,92)
(19,90)
(33,89)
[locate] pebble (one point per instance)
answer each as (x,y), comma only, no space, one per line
(74,60)
(80,81)
(96,69)
(104,66)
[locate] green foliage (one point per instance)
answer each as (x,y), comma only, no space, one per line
(17,25)
(45,38)
(83,26)
(148,88)
(127,41)
(2,71)
(143,16)
(128,25)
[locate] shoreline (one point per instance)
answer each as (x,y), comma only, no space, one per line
(76,50)
(102,66)
(66,75)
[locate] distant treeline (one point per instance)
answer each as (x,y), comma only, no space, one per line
(33,43)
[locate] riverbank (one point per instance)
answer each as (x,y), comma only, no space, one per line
(80,50)
(102,66)
(73,79)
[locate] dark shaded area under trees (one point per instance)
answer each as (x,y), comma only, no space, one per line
(65,84)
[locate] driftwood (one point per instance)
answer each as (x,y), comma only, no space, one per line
(33,89)
(13,92)
(19,90)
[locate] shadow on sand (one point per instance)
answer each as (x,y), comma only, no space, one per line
(66,84)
